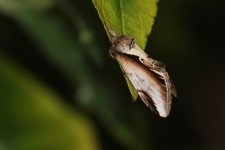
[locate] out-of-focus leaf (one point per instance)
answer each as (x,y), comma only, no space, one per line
(60,47)
(57,43)
(128,17)
(32,117)
(86,36)
(13,6)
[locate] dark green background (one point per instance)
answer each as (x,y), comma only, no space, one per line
(188,36)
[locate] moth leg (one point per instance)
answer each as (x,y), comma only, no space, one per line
(154,64)
(157,63)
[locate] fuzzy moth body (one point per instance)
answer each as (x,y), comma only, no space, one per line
(148,76)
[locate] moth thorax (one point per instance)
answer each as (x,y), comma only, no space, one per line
(123,43)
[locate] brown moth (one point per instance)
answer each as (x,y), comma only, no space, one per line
(148,76)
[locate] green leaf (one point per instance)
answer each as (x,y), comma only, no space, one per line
(128,17)
(133,92)
(32,117)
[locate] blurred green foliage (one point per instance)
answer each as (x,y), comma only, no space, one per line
(33,118)
(59,89)
(14,6)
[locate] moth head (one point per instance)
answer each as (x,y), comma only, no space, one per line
(123,44)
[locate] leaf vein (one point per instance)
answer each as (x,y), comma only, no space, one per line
(121,16)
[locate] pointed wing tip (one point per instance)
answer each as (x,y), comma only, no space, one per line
(150,104)
(164,115)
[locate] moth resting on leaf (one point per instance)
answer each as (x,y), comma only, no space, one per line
(148,76)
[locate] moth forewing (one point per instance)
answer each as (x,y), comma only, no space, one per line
(147,84)
(147,75)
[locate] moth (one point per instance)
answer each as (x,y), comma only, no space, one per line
(148,76)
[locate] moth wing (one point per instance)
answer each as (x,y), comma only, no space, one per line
(159,66)
(148,85)
(148,101)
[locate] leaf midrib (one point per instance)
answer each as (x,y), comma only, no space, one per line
(121,16)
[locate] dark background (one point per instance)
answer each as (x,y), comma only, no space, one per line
(188,36)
